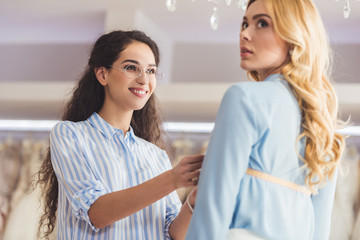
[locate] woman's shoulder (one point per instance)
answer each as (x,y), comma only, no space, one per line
(274,89)
(67,126)
(245,90)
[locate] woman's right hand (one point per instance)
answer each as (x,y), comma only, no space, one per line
(186,173)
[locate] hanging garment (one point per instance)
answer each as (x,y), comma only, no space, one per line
(25,205)
(347,191)
(10,164)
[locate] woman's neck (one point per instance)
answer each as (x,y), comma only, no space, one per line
(118,119)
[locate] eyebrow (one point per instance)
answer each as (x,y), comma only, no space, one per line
(136,62)
(257,16)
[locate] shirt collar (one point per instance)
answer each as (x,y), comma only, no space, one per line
(107,129)
(275,77)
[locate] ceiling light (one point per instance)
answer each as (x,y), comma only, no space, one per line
(346,8)
(214,19)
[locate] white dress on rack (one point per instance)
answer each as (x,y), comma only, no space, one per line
(346,195)
(25,205)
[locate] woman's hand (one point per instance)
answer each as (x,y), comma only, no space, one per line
(186,173)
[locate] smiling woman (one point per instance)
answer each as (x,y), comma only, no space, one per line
(129,89)
(105,174)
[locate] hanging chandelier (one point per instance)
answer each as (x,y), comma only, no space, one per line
(346,9)
(214,19)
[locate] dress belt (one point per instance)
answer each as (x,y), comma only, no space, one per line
(279,181)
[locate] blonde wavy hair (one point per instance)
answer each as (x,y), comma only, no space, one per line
(299,24)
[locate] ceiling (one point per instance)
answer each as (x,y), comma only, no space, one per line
(49,21)
(48,41)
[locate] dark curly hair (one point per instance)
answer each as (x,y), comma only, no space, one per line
(87,98)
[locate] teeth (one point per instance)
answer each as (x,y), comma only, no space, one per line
(139,91)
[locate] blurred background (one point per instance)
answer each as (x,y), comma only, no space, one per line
(44,47)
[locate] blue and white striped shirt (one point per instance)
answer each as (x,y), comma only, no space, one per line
(92,158)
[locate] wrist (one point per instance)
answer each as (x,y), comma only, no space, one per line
(191,207)
(173,179)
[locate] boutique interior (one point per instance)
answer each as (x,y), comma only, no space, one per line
(44,46)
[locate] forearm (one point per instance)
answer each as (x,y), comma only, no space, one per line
(179,226)
(117,205)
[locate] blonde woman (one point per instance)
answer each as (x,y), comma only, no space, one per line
(271,164)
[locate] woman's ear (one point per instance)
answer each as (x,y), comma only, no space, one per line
(100,74)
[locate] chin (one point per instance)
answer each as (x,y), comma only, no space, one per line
(245,66)
(139,107)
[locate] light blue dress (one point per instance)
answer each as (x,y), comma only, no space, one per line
(257,126)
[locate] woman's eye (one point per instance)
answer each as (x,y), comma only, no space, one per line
(131,68)
(262,23)
(244,25)
(151,71)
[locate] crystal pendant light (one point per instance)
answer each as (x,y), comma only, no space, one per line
(238,3)
(242,4)
(171,5)
(347,9)
(214,20)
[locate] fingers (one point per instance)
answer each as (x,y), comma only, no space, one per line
(193,178)
(187,171)
(193,159)
(194,175)
(194,167)
(192,163)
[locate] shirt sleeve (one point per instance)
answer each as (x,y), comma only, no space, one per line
(73,171)
(323,205)
(225,163)
(173,204)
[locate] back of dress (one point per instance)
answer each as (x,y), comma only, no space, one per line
(256,127)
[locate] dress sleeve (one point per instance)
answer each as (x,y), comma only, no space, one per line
(323,205)
(74,172)
(225,163)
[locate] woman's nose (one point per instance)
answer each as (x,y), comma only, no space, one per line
(143,78)
(244,35)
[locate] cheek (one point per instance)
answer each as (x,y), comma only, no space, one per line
(275,47)
(152,86)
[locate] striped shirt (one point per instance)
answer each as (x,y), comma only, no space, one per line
(92,158)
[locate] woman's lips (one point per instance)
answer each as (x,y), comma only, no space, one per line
(138,92)
(244,52)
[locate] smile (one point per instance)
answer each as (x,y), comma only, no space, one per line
(138,92)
